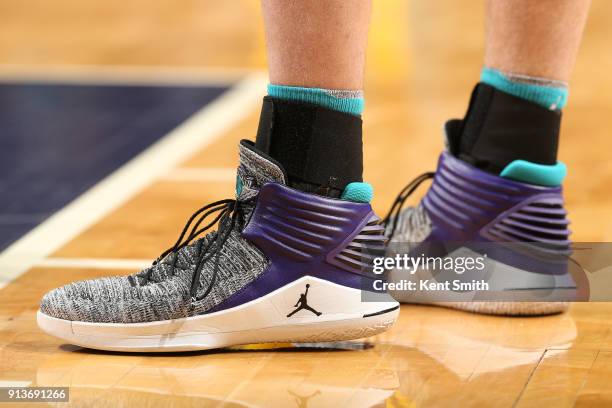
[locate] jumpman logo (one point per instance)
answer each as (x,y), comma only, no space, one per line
(302,303)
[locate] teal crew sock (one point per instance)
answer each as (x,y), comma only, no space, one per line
(346,101)
(551,94)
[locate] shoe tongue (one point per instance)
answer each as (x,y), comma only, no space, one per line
(256,169)
(452,136)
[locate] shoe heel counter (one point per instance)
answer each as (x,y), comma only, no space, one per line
(357,253)
(465,203)
(540,219)
(533,236)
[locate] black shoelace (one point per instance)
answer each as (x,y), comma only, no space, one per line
(401,198)
(230,213)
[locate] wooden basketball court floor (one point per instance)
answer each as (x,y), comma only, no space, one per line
(424,57)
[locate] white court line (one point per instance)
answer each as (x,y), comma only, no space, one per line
(94,263)
(201,174)
(122,75)
(7,383)
(192,135)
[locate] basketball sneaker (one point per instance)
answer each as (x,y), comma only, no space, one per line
(517,228)
(281,267)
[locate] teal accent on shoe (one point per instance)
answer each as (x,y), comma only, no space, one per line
(238,185)
(358,192)
(550,97)
(533,173)
(350,102)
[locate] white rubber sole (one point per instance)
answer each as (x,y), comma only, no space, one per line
(343,317)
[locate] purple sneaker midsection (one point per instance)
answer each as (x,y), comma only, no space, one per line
(306,235)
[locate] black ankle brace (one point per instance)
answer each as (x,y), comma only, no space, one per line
(499,128)
(320,149)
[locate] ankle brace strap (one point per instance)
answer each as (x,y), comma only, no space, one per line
(321,149)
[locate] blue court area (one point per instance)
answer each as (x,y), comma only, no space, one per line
(58,140)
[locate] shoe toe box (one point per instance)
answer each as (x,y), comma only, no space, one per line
(114,300)
(89,301)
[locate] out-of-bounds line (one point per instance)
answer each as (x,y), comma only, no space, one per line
(94,263)
(192,135)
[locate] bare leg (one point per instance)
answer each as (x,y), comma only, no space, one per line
(531,49)
(536,38)
(312,115)
(317,43)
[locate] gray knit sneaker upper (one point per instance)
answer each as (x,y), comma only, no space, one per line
(406,229)
(413,225)
(164,290)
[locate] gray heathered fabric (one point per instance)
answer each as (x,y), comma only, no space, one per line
(532,80)
(413,226)
(254,171)
(166,295)
(344,93)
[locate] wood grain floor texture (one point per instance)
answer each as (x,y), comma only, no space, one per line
(423,59)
